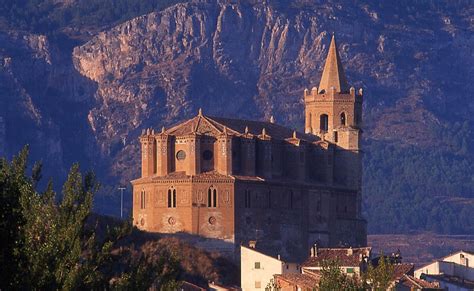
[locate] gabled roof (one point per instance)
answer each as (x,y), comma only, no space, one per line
(341,255)
(300,280)
(417,284)
(333,73)
(216,126)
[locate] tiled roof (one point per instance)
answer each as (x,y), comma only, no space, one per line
(341,255)
(415,283)
(450,279)
(300,280)
(399,270)
(216,126)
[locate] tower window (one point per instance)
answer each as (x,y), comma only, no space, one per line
(142,199)
(323,122)
(291,199)
(343,119)
(171,198)
(212,197)
(247,198)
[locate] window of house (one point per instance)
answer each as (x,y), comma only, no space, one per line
(212,197)
(323,122)
(350,270)
(172,198)
(257,265)
(336,137)
(181,155)
(343,118)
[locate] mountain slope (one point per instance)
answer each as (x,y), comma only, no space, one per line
(414,61)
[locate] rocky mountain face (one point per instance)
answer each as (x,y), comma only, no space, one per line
(413,60)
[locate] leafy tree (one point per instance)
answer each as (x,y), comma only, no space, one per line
(13,186)
(333,278)
(272,286)
(50,244)
(379,278)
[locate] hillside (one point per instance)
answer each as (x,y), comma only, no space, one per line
(75,93)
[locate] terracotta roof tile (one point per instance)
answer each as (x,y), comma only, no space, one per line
(301,280)
(339,254)
(215,126)
(399,270)
(412,282)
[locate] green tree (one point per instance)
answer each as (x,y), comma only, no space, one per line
(272,286)
(50,243)
(13,186)
(333,278)
(379,278)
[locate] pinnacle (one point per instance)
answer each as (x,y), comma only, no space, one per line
(333,73)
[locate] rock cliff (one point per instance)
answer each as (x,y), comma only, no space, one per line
(413,59)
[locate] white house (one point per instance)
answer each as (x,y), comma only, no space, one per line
(257,268)
(453,272)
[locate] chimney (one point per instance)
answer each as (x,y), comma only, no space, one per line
(252,244)
(314,250)
(350,251)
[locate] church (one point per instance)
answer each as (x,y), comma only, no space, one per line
(238,180)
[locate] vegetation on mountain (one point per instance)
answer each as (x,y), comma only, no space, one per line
(417,160)
(54,242)
(49,16)
(417,189)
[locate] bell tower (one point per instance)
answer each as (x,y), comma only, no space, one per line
(333,107)
(333,111)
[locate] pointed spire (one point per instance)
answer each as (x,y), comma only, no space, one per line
(272,119)
(200,112)
(162,129)
(294,134)
(246,130)
(264,131)
(333,73)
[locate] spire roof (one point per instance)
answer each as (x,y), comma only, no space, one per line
(333,73)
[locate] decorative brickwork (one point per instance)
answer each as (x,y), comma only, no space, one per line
(239,180)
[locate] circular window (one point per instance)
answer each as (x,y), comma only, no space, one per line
(212,220)
(171,220)
(180,155)
(207,155)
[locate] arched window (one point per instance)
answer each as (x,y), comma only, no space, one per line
(212,197)
(323,122)
(343,119)
(142,199)
(172,197)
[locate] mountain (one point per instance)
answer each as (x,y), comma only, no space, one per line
(75,93)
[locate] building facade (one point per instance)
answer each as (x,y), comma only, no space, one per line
(239,180)
(257,269)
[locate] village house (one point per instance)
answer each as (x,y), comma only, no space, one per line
(257,268)
(453,272)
